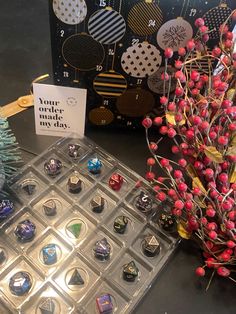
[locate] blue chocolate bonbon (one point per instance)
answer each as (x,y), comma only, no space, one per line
(25,230)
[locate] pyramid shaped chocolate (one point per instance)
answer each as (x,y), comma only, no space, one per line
(47,306)
(75,229)
(76,279)
(29,188)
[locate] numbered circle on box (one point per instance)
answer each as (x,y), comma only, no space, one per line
(101,116)
(145,18)
(70,12)
(156,83)
(200,64)
(215,17)
(107,26)
(135,102)
(174,34)
(82,52)
(141,60)
(110,84)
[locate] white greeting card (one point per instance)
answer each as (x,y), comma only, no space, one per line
(59,111)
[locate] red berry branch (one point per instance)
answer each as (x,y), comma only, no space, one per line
(200,118)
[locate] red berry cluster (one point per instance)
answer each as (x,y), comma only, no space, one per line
(201,120)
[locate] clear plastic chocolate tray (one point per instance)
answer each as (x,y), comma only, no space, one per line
(67,274)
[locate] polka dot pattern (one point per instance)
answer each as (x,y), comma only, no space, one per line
(101,116)
(82,52)
(214,18)
(141,60)
(70,11)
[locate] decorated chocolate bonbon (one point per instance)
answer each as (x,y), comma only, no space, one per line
(116,181)
(25,230)
(151,246)
(73,150)
(104,304)
(102,250)
(6,209)
(144,202)
(167,222)
(94,165)
(130,271)
(74,184)
(53,167)
(50,207)
(120,224)
(97,203)
(49,253)
(20,283)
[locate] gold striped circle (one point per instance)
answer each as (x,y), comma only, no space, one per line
(110,84)
(145,18)
(200,65)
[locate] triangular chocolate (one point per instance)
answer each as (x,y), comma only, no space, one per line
(29,188)
(76,279)
(47,306)
(152,240)
(75,229)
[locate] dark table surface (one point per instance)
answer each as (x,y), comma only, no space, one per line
(24,55)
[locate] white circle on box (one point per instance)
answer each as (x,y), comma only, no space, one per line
(70,12)
(174,34)
(107,26)
(141,60)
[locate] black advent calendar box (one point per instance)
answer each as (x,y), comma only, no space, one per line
(114,49)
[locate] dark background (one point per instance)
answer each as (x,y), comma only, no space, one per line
(24,55)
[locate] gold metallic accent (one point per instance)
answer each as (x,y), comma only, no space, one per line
(22,103)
